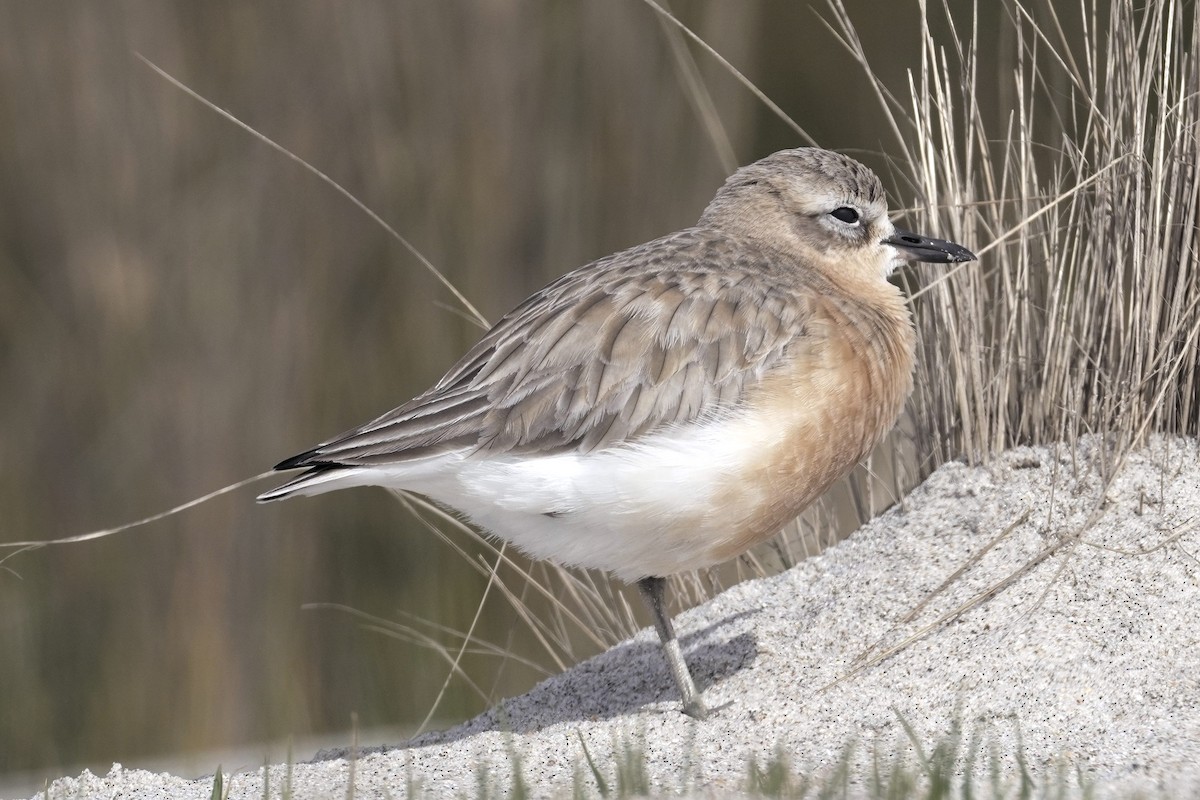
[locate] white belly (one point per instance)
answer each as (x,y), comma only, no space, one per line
(652,508)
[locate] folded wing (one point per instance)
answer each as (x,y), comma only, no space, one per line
(650,337)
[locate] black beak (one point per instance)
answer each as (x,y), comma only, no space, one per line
(922,248)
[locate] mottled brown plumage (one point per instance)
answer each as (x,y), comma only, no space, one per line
(669,406)
(656,335)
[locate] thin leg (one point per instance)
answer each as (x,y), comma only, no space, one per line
(652,590)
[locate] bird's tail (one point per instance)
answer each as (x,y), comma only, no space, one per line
(316,481)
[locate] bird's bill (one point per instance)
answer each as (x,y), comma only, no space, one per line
(914,247)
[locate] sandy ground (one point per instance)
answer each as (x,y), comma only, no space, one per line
(1088,661)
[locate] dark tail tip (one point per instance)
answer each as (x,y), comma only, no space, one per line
(305,459)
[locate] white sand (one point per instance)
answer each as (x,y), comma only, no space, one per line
(1093,657)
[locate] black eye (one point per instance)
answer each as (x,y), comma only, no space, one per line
(845,214)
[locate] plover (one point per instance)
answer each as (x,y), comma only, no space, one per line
(667,407)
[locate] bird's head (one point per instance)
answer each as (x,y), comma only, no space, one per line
(826,208)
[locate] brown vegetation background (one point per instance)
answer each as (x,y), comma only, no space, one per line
(181,307)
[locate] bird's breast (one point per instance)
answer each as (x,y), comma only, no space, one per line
(840,391)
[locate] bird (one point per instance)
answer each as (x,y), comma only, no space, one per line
(669,406)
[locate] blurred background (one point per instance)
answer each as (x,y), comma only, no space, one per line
(181,307)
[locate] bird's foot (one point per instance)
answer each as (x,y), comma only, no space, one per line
(696,709)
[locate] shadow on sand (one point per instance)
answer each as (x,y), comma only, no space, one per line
(616,683)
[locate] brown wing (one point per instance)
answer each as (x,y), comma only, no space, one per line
(667,332)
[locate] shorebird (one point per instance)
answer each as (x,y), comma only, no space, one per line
(667,407)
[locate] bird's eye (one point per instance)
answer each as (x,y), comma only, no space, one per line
(845,214)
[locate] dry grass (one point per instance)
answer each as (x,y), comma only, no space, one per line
(1083,317)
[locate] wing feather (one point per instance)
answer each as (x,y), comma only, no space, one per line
(654,336)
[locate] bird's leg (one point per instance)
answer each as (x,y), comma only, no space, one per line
(652,590)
